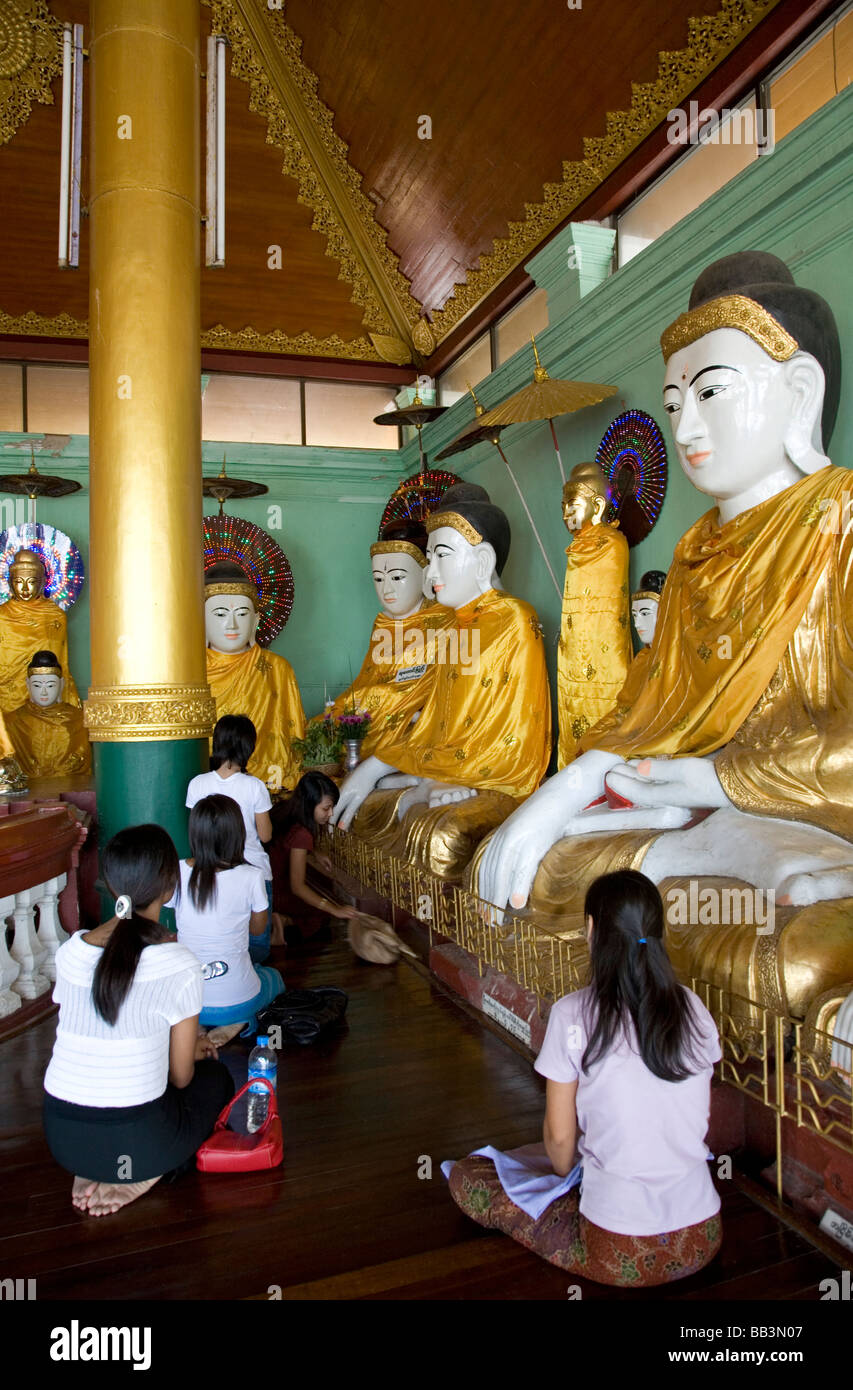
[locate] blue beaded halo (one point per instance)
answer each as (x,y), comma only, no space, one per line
(632,455)
(63,563)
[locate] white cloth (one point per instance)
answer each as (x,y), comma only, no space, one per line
(126,1063)
(641,1140)
(221,931)
(526,1176)
(251,796)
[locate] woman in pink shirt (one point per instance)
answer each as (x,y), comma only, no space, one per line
(629,1062)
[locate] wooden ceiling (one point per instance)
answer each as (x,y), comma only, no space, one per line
(429,226)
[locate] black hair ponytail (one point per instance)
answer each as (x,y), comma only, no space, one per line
(140,863)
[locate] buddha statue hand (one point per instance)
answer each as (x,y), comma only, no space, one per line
(668,782)
(432,793)
(356,788)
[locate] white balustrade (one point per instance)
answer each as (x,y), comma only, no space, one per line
(29,969)
(27,950)
(9,968)
(50,931)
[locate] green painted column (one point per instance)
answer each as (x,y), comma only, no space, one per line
(139,782)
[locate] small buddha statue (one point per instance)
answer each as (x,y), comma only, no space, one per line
(246,679)
(595,642)
(48,734)
(29,622)
(733,757)
(486,726)
(398,670)
(645,603)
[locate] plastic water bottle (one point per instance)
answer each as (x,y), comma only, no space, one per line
(262,1062)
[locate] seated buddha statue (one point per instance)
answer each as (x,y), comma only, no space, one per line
(247,679)
(595,642)
(484,734)
(398,669)
(733,756)
(645,603)
(48,734)
(29,622)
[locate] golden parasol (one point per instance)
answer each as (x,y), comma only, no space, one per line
(223,488)
(33,484)
(546,397)
(416,414)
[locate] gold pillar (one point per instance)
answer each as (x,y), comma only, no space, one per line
(145,566)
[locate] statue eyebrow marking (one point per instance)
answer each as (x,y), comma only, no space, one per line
(719,367)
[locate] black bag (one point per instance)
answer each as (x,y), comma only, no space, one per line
(305,1016)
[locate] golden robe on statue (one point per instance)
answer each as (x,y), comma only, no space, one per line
(396,676)
(753,656)
(260,684)
(50,742)
(28,626)
(487,723)
(595,637)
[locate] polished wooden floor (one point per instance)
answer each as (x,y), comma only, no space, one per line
(346,1216)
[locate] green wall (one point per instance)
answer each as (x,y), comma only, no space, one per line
(797,202)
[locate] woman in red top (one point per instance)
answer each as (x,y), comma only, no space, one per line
(295,824)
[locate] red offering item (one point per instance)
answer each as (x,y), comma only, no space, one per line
(617,802)
(228,1152)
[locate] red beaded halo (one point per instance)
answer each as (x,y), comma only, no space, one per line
(244,544)
(414,498)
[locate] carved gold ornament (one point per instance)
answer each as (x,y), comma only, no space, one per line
(730,311)
(30,57)
(232,586)
(399,548)
(115,714)
(465,529)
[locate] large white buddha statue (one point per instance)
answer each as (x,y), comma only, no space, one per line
(745,710)
(397,673)
(486,726)
(247,679)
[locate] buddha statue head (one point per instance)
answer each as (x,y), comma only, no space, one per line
(753,374)
(27,576)
(469,541)
(585,497)
(45,682)
(645,603)
(398,560)
(231,613)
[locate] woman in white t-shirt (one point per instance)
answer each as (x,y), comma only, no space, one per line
(234,739)
(629,1062)
(131,1090)
(221,904)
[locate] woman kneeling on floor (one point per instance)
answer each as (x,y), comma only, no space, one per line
(629,1062)
(131,1090)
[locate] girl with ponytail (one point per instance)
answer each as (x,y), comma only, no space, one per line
(131,1090)
(628,1062)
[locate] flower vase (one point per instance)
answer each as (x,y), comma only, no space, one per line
(353,754)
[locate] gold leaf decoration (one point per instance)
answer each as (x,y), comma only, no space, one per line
(30,57)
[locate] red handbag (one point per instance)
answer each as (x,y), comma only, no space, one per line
(228,1152)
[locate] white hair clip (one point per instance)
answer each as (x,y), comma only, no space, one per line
(124,907)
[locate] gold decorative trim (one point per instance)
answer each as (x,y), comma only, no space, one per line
(30,57)
(232,586)
(117,713)
(710,40)
(458,523)
(730,311)
(267,55)
(33,325)
(55,670)
(399,548)
(645,593)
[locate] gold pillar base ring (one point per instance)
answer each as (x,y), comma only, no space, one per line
(115,713)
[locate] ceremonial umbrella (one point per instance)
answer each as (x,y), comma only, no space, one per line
(475,433)
(33,484)
(416,414)
(546,397)
(223,488)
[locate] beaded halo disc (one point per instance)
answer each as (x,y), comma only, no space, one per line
(633,457)
(246,545)
(63,563)
(416,497)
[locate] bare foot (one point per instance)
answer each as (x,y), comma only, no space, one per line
(81,1191)
(109,1197)
(224,1033)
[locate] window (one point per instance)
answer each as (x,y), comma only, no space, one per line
(11,397)
(58,400)
(471,368)
(251,409)
(341,416)
(514,329)
(812,76)
(727,149)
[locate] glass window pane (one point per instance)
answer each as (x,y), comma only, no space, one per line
(472,367)
(341,416)
(251,409)
(693,179)
(813,78)
(58,400)
(515,328)
(11,397)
